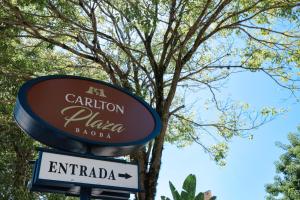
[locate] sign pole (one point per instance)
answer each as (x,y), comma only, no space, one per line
(85,193)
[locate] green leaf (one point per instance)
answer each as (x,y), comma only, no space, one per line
(164,198)
(200,196)
(189,187)
(174,192)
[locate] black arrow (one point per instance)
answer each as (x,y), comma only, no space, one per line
(126,176)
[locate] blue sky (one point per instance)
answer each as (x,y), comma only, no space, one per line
(250,163)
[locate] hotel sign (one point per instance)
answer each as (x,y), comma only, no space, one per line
(83,115)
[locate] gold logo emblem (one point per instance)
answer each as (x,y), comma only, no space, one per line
(96,91)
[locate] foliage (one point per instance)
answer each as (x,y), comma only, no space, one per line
(166,52)
(286,184)
(20,61)
(188,190)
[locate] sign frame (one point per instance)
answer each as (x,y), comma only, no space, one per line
(48,134)
(55,183)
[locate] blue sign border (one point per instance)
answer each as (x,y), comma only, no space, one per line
(44,132)
(63,184)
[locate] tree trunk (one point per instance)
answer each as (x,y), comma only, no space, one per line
(140,157)
(149,175)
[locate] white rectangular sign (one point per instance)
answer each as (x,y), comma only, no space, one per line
(73,169)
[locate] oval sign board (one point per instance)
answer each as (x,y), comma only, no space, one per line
(83,115)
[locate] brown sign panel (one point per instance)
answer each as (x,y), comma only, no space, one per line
(90,115)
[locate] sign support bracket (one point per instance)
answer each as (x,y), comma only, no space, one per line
(85,193)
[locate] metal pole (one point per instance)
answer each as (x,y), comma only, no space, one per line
(85,193)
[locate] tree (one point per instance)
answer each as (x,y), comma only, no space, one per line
(286,184)
(158,49)
(188,192)
(20,61)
